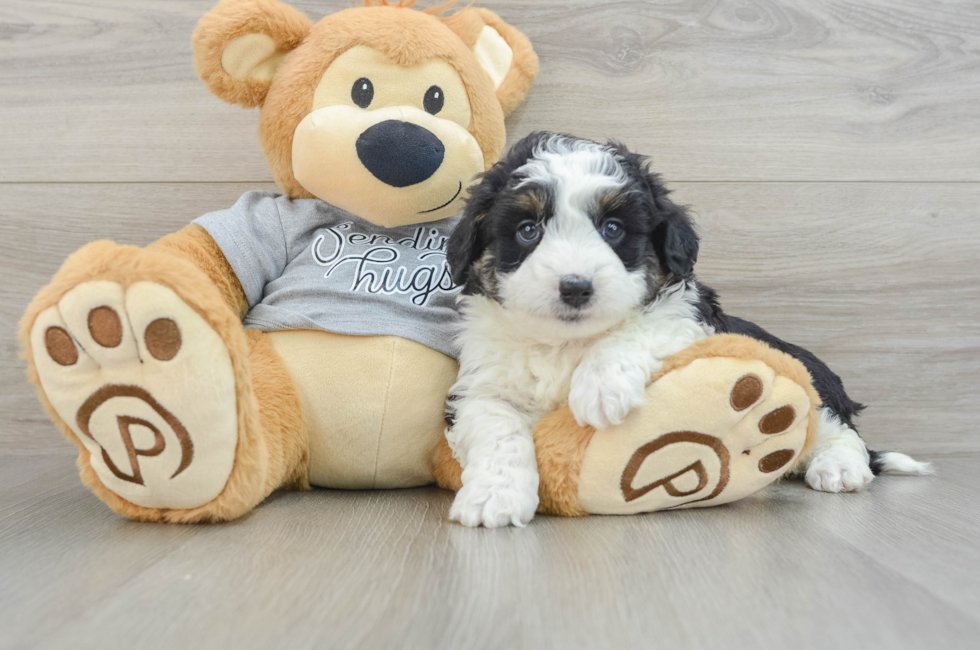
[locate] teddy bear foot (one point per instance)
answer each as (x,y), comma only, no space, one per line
(712,431)
(147,387)
(748,429)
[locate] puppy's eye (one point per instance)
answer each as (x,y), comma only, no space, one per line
(528,232)
(433,100)
(362,92)
(612,230)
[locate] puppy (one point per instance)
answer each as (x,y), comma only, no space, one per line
(578,282)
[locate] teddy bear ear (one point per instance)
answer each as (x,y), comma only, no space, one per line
(504,53)
(239,44)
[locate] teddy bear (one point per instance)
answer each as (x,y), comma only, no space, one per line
(305,338)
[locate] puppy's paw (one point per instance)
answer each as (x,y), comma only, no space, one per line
(492,504)
(838,469)
(603,393)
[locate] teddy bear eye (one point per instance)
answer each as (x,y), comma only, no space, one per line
(434,99)
(362,93)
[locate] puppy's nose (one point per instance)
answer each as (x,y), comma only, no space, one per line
(400,153)
(575,291)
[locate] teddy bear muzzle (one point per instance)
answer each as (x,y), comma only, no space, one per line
(392,166)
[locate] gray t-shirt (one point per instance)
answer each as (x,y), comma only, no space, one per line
(305,264)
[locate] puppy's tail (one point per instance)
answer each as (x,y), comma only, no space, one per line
(892,462)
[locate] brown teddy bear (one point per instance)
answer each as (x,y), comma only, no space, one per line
(306,338)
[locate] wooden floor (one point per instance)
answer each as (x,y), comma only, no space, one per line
(830,150)
(894,567)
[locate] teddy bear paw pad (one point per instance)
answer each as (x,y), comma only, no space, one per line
(697,442)
(146,385)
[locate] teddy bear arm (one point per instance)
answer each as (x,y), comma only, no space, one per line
(193,243)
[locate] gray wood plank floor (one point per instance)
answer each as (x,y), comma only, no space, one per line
(830,150)
(893,567)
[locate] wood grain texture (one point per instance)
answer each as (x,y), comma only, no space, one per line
(880,280)
(716,89)
(894,567)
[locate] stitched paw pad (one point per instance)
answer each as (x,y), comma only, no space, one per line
(146,385)
(712,432)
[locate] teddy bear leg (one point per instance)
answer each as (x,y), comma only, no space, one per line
(446,470)
(179,414)
(723,419)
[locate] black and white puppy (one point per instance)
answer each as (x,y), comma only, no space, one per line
(578,282)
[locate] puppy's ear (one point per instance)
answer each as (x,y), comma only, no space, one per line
(465,247)
(675,239)
(471,236)
(239,45)
(469,239)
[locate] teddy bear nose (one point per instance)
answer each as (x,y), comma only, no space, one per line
(400,153)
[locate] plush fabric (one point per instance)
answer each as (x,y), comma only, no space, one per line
(688,447)
(131,398)
(325,161)
(374,404)
(232,20)
(194,244)
(518,80)
(261,462)
(187,413)
(407,38)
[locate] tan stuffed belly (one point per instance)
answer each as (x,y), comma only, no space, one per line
(374,406)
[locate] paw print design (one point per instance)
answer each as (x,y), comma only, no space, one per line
(147,387)
(747,430)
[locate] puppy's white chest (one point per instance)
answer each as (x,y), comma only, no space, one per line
(549,376)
